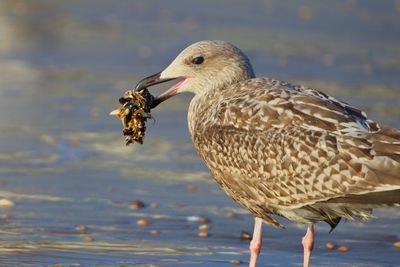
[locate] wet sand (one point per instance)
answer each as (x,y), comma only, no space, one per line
(63,162)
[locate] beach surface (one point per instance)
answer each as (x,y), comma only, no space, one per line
(74,186)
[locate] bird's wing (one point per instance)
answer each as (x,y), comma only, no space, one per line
(284,145)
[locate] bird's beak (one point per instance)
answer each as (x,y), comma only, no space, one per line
(153,80)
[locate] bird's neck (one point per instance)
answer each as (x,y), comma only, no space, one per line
(202,108)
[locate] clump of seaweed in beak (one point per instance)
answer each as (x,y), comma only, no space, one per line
(135,111)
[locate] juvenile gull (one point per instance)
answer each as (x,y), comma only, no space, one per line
(282,149)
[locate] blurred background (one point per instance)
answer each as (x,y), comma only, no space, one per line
(68,184)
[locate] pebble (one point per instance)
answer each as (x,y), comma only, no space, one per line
(143,222)
(397,244)
(231,215)
(5,216)
(343,248)
(5,203)
(81,229)
(191,188)
(204,227)
(330,245)
(198,219)
(236,262)
(245,235)
(67,107)
(202,234)
(306,13)
(136,204)
(203,220)
(74,141)
(87,238)
(154,232)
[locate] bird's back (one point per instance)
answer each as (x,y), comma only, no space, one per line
(294,151)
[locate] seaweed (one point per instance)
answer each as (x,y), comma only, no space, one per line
(135,110)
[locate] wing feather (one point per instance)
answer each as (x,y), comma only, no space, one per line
(288,146)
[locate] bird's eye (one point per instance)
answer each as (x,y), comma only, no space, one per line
(198,60)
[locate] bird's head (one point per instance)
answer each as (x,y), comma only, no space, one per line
(200,67)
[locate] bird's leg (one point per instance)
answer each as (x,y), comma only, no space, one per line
(256,242)
(308,245)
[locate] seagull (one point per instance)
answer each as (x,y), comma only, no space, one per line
(282,149)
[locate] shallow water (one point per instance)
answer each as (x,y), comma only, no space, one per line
(63,161)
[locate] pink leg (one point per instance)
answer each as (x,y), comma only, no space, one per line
(256,242)
(308,245)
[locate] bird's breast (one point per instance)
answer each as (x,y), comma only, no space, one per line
(200,114)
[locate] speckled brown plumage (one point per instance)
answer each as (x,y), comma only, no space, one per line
(293,151)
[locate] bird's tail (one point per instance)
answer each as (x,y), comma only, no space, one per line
(382,181)
(370,200)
